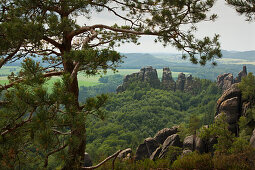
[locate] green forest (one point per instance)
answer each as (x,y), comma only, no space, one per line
(59,109)
(141,111)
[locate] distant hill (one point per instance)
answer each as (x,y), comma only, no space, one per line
(138,60)
(245,55)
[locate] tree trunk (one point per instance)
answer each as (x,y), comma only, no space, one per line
(77,141)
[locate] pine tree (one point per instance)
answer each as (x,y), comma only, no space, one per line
(36,124)
(244,7)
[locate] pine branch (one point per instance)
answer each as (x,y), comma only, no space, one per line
(52,152)
(50,74)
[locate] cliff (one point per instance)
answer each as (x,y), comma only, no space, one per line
(149,75)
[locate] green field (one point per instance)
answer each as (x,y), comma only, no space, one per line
(83,79)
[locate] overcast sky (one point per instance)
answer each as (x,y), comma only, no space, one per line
(235,33)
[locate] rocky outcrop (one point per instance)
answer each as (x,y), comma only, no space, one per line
(168,82)
(180,82)
(146,149)
(189,143)
(241,74)
(156,153)
(161,135)
(146,74)
(150,76)
(230,105)
(252,140)
(225,80)
(87,160)
(173,140)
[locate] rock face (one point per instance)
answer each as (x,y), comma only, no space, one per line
(225,80)
(230,105)
(146,74)
(146,149)
(168,82)
(252,140)
(87,160)
(241,74)
(150,76)
(173,140)
(161,135)
(189,143)
(180,82)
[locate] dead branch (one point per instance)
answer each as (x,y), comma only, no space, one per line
(104,161)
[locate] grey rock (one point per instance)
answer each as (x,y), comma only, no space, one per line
(252,140)
(161,135)
(173,140)
(146,74)
(189,142)
(87,160)
(155,154)
(233,91)
(241,74)
(145,149)
(200,145)
(168,82)
(180,82)
(225,81)
(231,108)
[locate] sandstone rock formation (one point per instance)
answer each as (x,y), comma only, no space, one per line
(241,74)
(161,135)
(168,82)
(146,149)
(173,140)
(180,82)
(225,80)
(146,74)
(150,76)
(229,104)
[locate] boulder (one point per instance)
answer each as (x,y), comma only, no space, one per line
(180,82)
(87,160)
(252,140)
(173,140)
(200,145)
(145,149)
(161,135)
(155,154)
(233,91)
(231,108)
(168,82)
(189,142)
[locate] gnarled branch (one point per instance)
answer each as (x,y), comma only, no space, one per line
(104,161)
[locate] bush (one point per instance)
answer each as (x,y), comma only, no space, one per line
(194,160)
